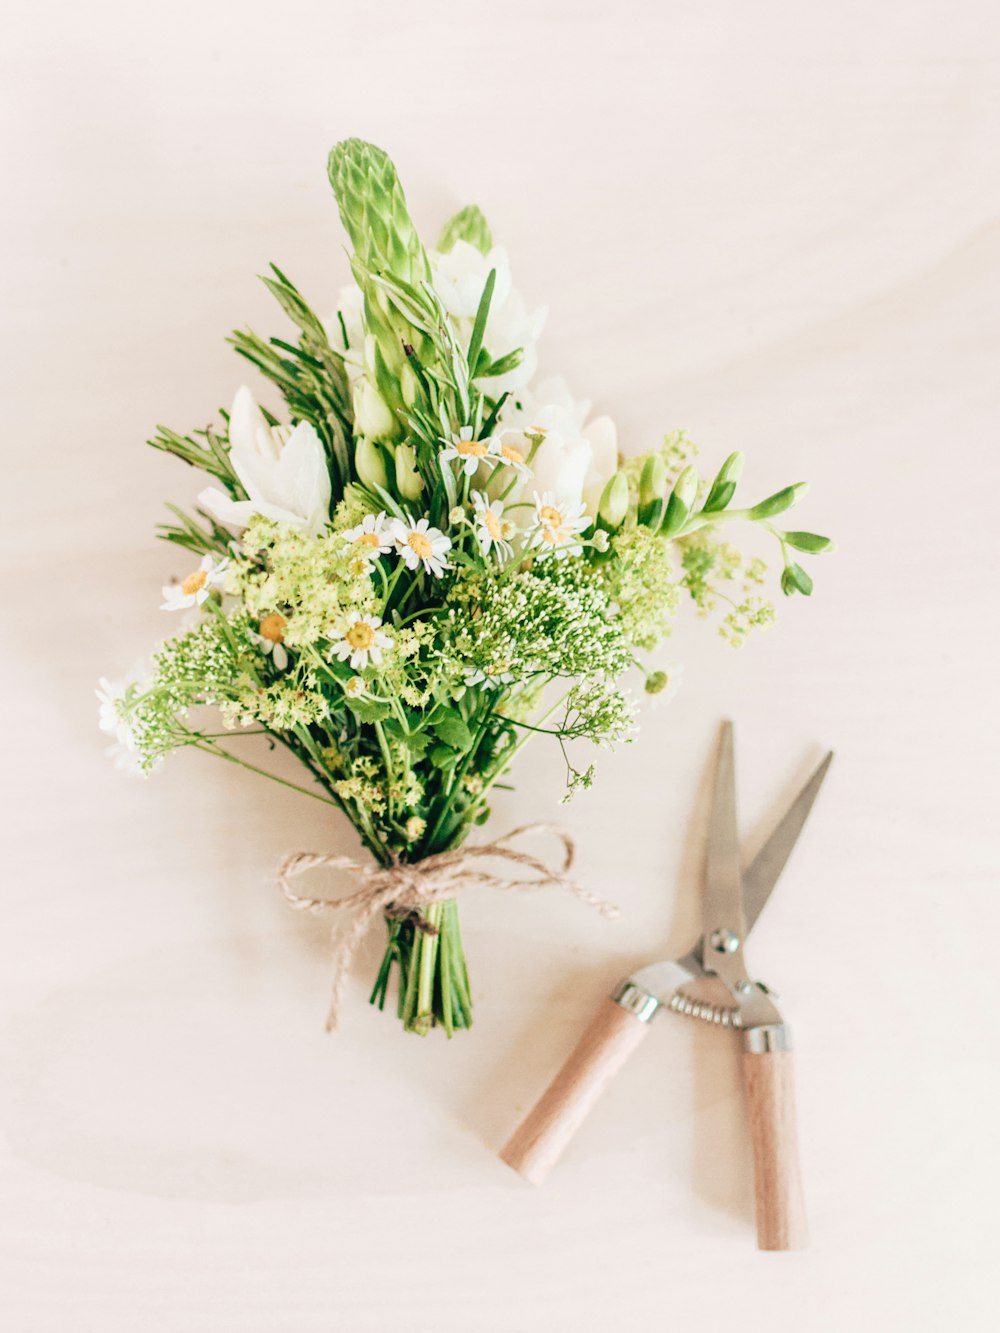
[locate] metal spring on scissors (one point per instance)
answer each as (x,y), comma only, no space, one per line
(709,1013)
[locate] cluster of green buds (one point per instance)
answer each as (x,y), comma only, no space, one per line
(673,510)
(386,244)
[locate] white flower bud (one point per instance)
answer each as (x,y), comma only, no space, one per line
(372,416)
(409,482)
(370,463)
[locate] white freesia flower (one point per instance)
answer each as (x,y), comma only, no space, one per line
(362,642)
(269,637)
(346,330)
(470,453)
(420,544)
(195,587)
(557,524)
(459,279)
(284,472)
(493,530)
(460,276)
(372,537)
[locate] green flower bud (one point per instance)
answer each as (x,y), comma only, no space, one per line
(614,503)
(369,463)
(600,541)
(779,502)
(681,499)
(657,682)
(372,417)
(653,483)
(467,225)
(652,491)
(409,482)
(687,486)
(724,486)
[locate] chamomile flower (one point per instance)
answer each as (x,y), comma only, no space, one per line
(493,674)
(557,524)
(511,448)
(665,683)
(270,639)
(371,538)
(469,452)
(420,544)
(493,531)
(362,642)
(355,687)
(193,589)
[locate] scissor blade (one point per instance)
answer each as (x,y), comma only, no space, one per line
(762,875)
(722,896)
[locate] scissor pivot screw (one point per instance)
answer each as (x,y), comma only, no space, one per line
(724,941)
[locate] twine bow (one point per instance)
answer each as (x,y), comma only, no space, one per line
(406,887)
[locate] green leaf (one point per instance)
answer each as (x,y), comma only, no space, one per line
(777,503)
(808,541)
(453,731)
(469,225)
(441,756)
(503,365)
(482,314)
(795,579)
(368,710)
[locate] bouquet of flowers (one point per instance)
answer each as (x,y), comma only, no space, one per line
(427,559)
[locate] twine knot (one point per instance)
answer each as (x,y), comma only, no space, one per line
(404,887)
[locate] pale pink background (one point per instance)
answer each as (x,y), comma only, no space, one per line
(775,224)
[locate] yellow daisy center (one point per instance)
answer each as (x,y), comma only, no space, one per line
(421,544)
(511,454)
(492,524)
(471,448)
(194,583)
(550,517)
(371,539)
(272,627)
(360,635)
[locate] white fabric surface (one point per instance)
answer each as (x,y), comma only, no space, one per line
(773,224)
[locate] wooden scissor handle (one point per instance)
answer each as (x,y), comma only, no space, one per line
(535,1147)
(769,1082)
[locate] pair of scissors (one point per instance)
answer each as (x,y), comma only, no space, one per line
(732,900)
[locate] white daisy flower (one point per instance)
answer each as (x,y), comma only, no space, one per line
(469,452)
(355,687)
(372,537)
(362,642)
(493,531)
(557,524)
(511,448)
(494,674)
(420,544)
(665,683)
(193,589)
(270,639)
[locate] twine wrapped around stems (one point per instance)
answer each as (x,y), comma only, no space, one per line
(406,887)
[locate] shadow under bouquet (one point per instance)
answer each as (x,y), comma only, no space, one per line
(430,558)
